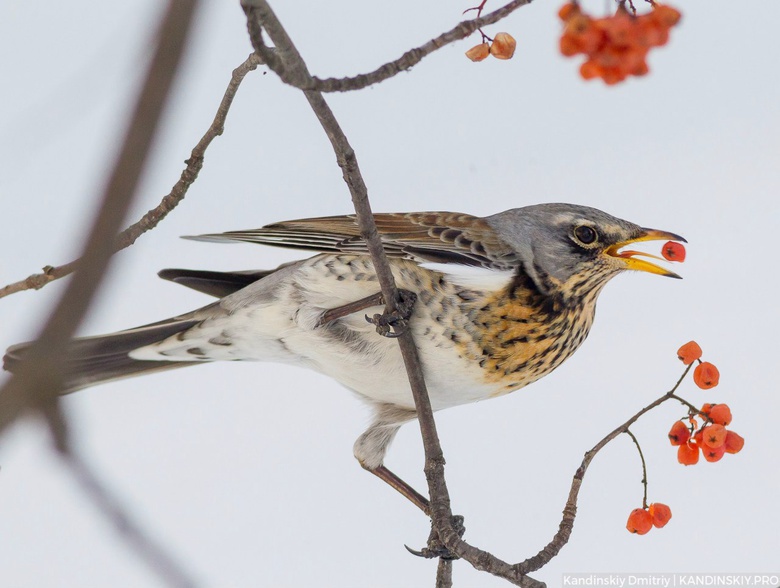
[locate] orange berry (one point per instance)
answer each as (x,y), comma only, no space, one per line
(609,56)
(569,46)
(689,352)
(706,375)
(645,34)
(657,36)
(660,513)
(688,454)
(734,442)
(478,52)
(568,10)
(713,436)
(503,46)
(613,75)
(578,24)
(679,433)
(706,408)
(640,68)
(619,28)
(720,414)
(582,30)
(665,15)
(639,521)
(673,251)
(590,69)
(713,453)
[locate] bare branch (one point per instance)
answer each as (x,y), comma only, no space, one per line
(301,79)
(570,510)
(36,385)
(261,18)
(39,378)
(152,218)
(444,573)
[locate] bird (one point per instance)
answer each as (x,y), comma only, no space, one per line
(498,302)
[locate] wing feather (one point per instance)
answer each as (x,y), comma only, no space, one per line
(439,237)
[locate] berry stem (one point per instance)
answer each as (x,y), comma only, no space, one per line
(644,466)
(693,411)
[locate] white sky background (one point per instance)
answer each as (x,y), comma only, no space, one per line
(245,470)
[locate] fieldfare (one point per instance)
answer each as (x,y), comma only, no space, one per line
(500,302)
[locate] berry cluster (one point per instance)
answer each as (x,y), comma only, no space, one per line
(616,46)
(641,520)
(710,437)
(502,46)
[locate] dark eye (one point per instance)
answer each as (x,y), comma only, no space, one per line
(585,234)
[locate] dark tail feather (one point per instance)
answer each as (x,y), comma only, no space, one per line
(219,284)
(94,360)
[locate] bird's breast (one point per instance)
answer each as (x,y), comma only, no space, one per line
(518,336)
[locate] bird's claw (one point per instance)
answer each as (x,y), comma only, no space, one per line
(435,549)
(433,553)
(394,324)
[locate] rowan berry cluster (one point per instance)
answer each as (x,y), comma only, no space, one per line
(502,46)
(705,431)
(641,520)
(616,46)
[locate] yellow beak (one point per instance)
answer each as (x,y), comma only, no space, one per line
(630,260)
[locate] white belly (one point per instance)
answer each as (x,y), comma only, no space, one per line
(277,320)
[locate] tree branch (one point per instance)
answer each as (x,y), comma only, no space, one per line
(300,78)
(261,18)
(153,217)
(570,510)
(38,381)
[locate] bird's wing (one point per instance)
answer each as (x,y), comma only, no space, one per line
(439,237)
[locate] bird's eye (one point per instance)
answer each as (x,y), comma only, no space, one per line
(585,234)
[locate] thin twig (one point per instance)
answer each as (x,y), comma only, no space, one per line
(168,202)
(644,466)
(301,79)
(570,510)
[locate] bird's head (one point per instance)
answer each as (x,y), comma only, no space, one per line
(574,250)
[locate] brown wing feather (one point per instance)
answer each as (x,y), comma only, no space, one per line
(442,237)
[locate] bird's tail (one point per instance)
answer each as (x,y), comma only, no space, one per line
(103,358)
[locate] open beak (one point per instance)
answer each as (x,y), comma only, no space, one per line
(631,259)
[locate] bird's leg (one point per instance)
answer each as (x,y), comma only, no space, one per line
(388,324)
(405,489)
(333,314)
(371,447)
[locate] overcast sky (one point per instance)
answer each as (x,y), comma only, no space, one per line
(245,471)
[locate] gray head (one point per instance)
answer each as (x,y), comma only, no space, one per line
(570,249)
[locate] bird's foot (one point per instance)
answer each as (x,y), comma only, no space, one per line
(435,548)
(394,324)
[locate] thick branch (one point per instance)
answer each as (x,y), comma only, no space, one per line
(38,381)
(152,218)
(301,79)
